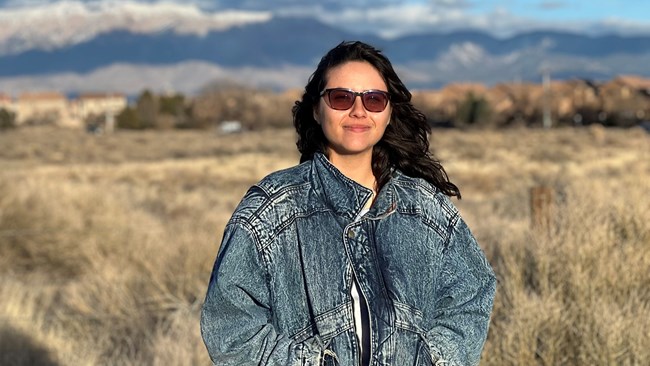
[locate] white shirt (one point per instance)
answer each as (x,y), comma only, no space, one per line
(360,308)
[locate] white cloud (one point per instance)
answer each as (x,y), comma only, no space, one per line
(53,25)
(395,20)
(42,24)
(623,26)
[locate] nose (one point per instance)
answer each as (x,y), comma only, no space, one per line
(358,110)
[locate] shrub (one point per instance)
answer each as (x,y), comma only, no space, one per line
(473,111)
(7,119)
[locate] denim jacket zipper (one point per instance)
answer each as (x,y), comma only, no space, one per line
(365,304)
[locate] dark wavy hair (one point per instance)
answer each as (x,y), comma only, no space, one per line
(405,144)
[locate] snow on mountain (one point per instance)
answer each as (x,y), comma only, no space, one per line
(126,46)
(54,25)
(467,54)
(185,77)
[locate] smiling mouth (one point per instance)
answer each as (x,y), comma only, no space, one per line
(357,128)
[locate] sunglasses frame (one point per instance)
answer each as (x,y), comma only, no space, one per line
(355,94)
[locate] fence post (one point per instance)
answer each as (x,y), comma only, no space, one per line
(542,202)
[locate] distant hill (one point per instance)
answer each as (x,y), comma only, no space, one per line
(280,53)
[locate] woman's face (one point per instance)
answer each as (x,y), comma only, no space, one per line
(354,131)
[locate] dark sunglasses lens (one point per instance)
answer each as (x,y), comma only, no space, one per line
(375,101)
(341,99)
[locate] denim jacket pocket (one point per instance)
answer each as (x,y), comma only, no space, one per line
(423,356)
(324,357)
(310,351)
(329,358)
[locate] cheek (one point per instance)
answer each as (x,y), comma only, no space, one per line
(327,129)
(322,114)
(327,117)
(386,120)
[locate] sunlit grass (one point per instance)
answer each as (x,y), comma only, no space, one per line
(107,242)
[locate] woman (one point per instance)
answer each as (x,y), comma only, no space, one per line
(355,256)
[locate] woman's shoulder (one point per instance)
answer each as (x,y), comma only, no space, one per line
(423,194)
(284,180)
(265,194)
(415,184)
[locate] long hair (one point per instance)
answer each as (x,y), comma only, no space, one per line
(405,143)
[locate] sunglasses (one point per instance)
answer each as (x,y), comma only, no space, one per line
(342,99)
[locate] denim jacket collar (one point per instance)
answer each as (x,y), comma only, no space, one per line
(347,197)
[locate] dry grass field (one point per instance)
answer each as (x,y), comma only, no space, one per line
(107,242)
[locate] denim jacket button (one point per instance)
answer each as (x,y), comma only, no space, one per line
(351,234)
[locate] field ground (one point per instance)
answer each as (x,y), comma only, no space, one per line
(107,242)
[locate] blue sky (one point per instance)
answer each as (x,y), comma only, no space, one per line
(544,10)
(392,18)
(504,17)
(558,10)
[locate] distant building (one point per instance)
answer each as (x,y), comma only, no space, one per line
(41,107)
(5,101)
(50,107)
(97,104)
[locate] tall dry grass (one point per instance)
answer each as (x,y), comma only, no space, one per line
(107,242)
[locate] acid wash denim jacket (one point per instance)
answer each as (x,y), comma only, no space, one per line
(279,293)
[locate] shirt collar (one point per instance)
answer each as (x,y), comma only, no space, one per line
(347,197)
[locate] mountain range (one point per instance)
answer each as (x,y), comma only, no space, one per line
(183,51)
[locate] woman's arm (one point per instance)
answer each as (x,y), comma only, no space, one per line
(464,300)
(236,321)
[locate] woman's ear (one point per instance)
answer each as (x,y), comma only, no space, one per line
(315,114)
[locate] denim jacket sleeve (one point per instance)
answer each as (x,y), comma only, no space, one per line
(236,321)
(466,293)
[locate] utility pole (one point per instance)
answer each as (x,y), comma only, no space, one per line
(546,82)
(109,122)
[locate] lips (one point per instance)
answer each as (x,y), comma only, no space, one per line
(357,128)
